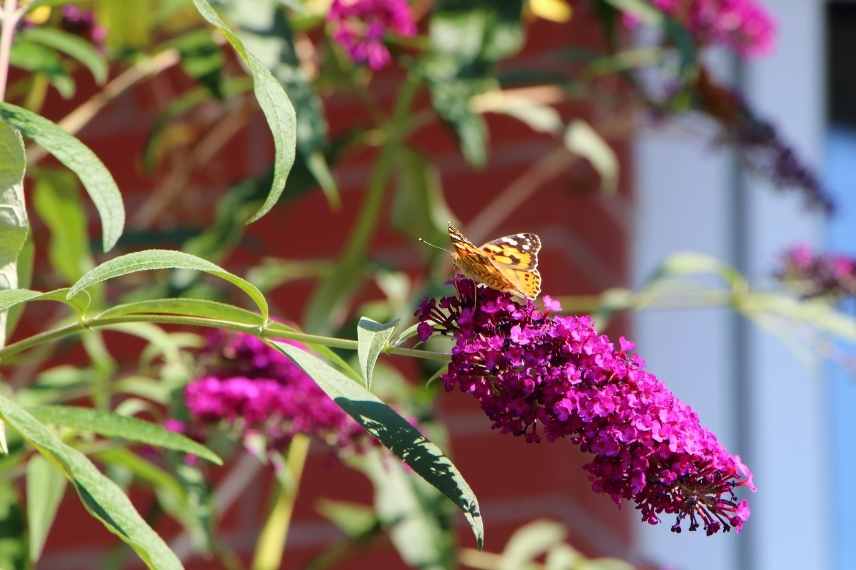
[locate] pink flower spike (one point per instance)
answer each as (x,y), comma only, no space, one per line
(543,375)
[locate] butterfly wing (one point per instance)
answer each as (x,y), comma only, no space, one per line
(476,264)
(516,257)
(525,283)
(518,251)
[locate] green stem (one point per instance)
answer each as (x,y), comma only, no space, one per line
(7,34)
(329,298)
(627,300)
(272,331)
(270,546)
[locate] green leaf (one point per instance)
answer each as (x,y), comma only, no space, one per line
(57,201)
(538,116)
(45,489)
(267,33)
(39,59)
(353,519)
(688,263)
(14,225)
(25,277)
(584,141)
(153,259)
(467,40)
(419,209)
(372,338)
(274,272)
(173,497)
(201,59)
(273,101)
(530,542)
(128,23)
(394,432)
(561,557)
(169,117)
(452,99)
(640,9)
(13,528)
(97,181)
(114,425)
(102,497)
(186,307)
(11,298)
(71,45)
(477,30)
(415,531)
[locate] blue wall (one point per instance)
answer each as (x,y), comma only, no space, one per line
(841,237)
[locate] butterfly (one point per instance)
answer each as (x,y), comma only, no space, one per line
(508,264)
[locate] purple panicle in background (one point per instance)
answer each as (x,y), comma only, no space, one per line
(761,147)
(261,391)
(359,26)
(83,23)
(743,25)
(541,375)
(815,274)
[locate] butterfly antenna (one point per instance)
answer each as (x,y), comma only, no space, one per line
(429,244)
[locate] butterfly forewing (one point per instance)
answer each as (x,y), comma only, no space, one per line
(519,251)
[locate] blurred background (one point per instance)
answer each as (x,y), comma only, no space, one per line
(787,413)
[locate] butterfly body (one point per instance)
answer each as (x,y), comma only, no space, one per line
(508,264)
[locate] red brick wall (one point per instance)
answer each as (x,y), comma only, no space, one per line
(585,250)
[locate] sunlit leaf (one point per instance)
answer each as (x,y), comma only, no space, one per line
(72,46)
(45,489)
(584,141)
(394,432)
(102,497)
(97,181)
(114,425)
(154,259)
(372,338)
(14,225)
(274,102)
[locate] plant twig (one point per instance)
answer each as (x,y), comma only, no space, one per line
(81,116)
(7,34)
(273,331)
(177,182)
(270,546)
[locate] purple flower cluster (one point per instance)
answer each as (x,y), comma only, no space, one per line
(743,25)
(762,148)
(82,22)
(252,386)
(359,26)
(815,274)
(538,374)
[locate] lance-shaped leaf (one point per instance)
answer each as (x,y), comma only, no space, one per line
(14,225)
(274,102)
(266,32)
(152,259)
(394,432)
(96,179)
(72,46)
(372,338)
(45,488)
(101,496)
(114,425)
